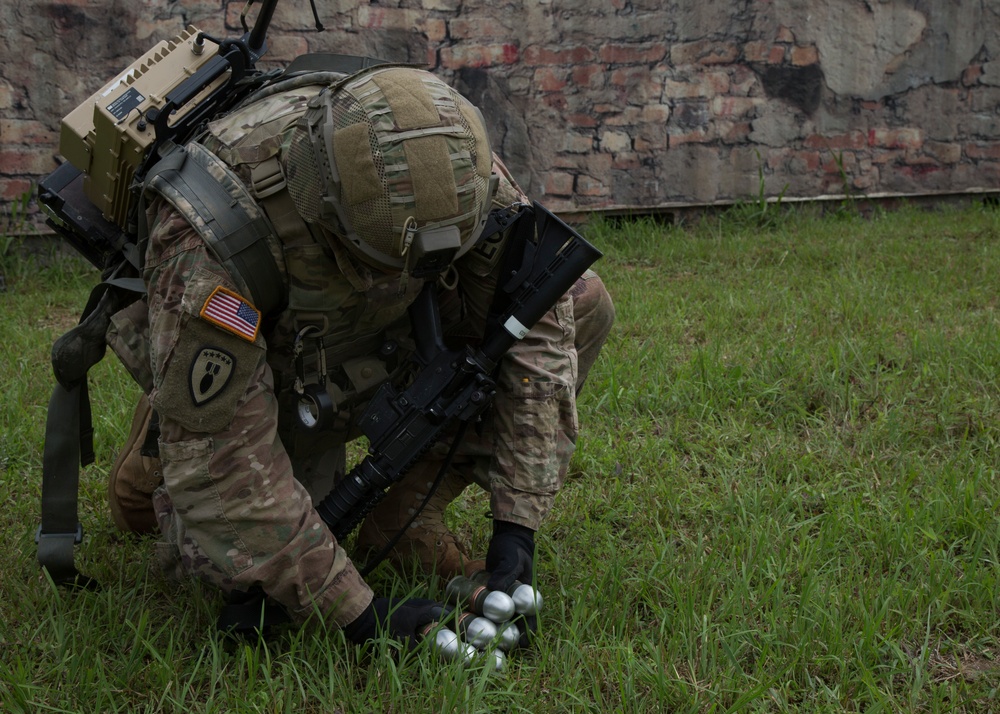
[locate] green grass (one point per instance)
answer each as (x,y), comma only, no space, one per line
(784,499)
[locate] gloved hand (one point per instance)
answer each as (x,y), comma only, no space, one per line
(510,556)
(401,619)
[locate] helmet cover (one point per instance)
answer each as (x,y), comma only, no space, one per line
(387,153)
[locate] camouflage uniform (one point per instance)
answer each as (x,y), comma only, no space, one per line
(236,507)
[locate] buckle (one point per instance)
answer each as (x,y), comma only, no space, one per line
(77,536)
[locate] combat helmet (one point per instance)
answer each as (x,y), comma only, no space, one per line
(395,164)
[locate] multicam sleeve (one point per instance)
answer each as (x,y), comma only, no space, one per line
(534,414)
(231,509)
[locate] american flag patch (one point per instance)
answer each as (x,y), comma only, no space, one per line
(231,312)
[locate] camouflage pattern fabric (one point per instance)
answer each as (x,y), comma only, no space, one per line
(231,511)
(236,508)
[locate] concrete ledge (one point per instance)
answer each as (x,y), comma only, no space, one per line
(679,212)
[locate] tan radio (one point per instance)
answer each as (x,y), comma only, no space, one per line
(108,136)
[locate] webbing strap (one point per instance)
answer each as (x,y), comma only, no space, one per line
(237,238)
(69,441)
(61,530)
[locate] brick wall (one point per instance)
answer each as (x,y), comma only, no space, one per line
(602,103)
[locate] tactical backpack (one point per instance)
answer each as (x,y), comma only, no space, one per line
(127,137)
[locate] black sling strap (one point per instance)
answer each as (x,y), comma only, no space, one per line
(69,431)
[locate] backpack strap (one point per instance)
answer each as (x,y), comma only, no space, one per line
(218,205)
(69,430)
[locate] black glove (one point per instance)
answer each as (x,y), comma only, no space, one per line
(528,626)
(510,556)
(401,619)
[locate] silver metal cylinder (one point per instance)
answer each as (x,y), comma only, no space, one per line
(479,631)
(527,600)
(509,636)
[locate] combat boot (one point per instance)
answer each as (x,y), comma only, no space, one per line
(427,543)
(135,475)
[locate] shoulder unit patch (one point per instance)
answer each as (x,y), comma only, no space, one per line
(210,373)
(231,312)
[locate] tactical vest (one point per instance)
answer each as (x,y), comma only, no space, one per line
(336,328)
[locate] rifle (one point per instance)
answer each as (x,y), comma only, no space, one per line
(455,386)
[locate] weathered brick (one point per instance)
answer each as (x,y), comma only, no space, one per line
(472,56)
(742,80)
(13,188)
(597,163)
(469,27)
(756,51)
(655,113)
(980,151)
(285,48)
(590,186)
(853,140)
(730,107)
(784,34)
(576,143)
(805,55)
(628,116)
(588,76)
(804,162)
(638,86)
(645,143)
(732,132)
(776,55)
(557,101)
(882,157)
(559,183)
(445,5)
(673,89)
(582,120)
(26,131)
(843,162)
(435,29)
(907,138)
(381,17)
(614,141)
(703,52)
(777,158)
(6,95)
(626,162)
(971,74)
(538,55)
(549,79)
(945,152)
(566,162)
(699,136)
(866,175)
(626,78)
(633,54)
(26,161)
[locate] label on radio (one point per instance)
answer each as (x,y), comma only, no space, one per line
(122,107)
